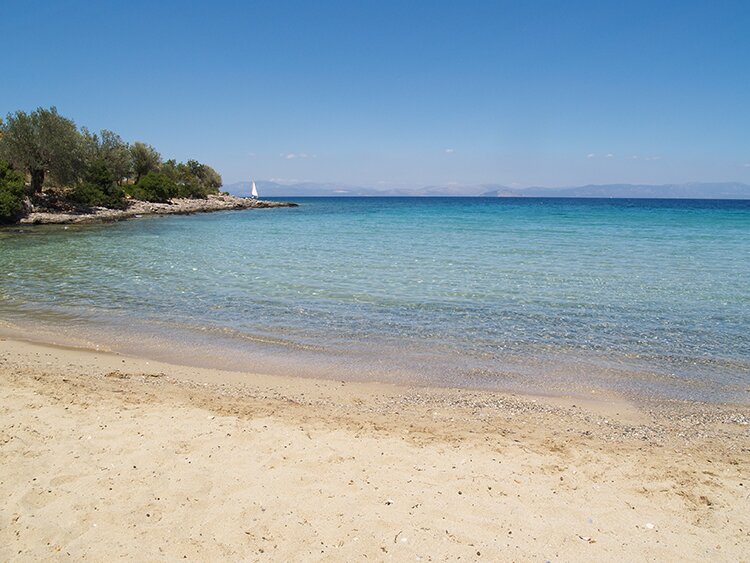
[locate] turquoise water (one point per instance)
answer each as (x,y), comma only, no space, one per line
(641,297)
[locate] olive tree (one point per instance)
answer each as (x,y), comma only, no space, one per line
(108,148)
(42,143)
(144,159)
(209,177)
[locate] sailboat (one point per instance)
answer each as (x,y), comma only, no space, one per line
(254,192)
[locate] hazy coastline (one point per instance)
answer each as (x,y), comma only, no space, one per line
(689,190)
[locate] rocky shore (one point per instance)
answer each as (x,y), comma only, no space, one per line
(136,208)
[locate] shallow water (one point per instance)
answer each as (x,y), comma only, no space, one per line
(642,297)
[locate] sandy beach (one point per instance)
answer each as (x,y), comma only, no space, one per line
(105,457)
(497,307)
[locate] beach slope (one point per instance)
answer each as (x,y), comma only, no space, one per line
(104,457)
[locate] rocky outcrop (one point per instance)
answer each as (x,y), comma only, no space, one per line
(141,208)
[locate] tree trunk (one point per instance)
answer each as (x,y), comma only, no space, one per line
(27,207)
(37,179)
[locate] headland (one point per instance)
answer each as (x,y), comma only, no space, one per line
(136,208)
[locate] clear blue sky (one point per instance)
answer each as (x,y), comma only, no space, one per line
(401,93)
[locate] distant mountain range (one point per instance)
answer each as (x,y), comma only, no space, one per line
(725,190)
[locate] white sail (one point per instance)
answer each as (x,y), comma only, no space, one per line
(254,193)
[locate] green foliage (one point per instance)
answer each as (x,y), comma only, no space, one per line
(94,168)
(40,143)
(172,169)
(193,179)
(156,187)
(208,178)
(108,147)
(189,183)
(11,194)
(89,195)
(98,187)
(144,159)
(99,173)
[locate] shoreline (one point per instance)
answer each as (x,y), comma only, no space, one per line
(656,417)
(136,208)
(209,354)
(108,455)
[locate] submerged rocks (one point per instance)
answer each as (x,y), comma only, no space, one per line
(140,208)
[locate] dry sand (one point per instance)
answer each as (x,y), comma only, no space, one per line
(105,456)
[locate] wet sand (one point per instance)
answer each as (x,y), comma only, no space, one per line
(105,456)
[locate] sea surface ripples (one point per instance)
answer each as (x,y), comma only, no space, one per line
(543,295)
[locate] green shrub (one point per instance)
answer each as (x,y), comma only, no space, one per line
(194,180)
(98,188)
(155,187)
(12,194)
(193,190)
(91,195)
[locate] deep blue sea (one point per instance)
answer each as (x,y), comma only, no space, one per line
(648,298)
